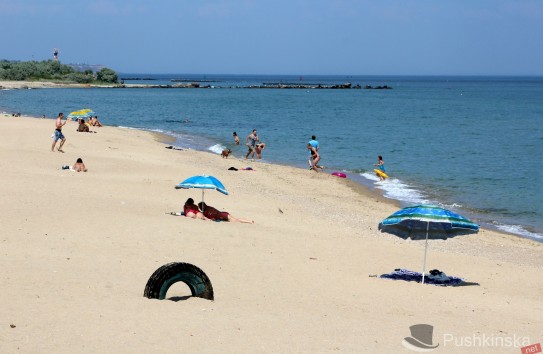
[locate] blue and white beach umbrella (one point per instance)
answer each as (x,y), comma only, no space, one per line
(202,182)
(421,222)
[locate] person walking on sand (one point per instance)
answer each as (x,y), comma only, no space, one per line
(250,141)
(314,157)
(380,166)
(58,133)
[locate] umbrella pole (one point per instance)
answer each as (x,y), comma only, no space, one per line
(202,200)
(425,250)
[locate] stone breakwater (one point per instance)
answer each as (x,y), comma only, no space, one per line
(12,85)
(266,85)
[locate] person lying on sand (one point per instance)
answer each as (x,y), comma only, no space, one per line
(79,166)
(216,215)
(191,210)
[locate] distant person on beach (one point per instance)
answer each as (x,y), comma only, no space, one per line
(58,133)
(191,210)
(250,141)
(216,215)
(95,122)
(236,138)
(311,161)
(79,166)
(83,127)
(313,157)
(258,149)
(380,166)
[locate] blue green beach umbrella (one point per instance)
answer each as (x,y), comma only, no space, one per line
(202,182)
(423,222)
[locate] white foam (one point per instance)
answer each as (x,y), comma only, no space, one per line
(217,148)
(519,230)
(394,188)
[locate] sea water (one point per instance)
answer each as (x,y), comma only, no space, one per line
(470,144)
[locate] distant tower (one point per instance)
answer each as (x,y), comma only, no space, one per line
(55,54)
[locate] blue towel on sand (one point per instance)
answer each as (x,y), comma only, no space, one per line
(439,279)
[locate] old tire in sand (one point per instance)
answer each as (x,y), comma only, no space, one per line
(171,273)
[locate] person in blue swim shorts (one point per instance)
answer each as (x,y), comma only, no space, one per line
(58,133)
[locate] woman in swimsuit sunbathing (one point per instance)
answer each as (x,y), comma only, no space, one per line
(214,214)
(191,210)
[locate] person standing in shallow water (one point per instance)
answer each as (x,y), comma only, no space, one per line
(312,160)
(258,149)
(314,156)
(381,166)
(250,141)
(236,138)
(58,133)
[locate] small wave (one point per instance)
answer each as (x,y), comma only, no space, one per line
(184,121)
(394,188)
(519,230)
(217,148)
(157,131)
(452,206)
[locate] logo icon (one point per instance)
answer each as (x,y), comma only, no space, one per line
(421,338)
(531,349)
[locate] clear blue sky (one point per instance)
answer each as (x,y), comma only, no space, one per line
(298,37)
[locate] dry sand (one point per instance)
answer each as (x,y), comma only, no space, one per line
(76,250)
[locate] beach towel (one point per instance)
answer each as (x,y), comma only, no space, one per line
(435,277)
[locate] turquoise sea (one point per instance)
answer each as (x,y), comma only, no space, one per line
(470,144)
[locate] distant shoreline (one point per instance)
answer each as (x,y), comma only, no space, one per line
(18,85)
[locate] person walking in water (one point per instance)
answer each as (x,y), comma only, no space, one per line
(250,141)
(381,167)
(312,160)
(58,133)
(314,156)
(236,138)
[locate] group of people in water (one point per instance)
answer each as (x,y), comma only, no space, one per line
(253,143)
(255,146)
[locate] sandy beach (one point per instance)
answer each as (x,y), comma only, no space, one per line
(38,84)
(77,250)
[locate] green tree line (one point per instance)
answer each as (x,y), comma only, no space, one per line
(52,70)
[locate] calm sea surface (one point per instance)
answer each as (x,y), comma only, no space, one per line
(470,144)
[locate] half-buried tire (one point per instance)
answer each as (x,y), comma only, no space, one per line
(171,273)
